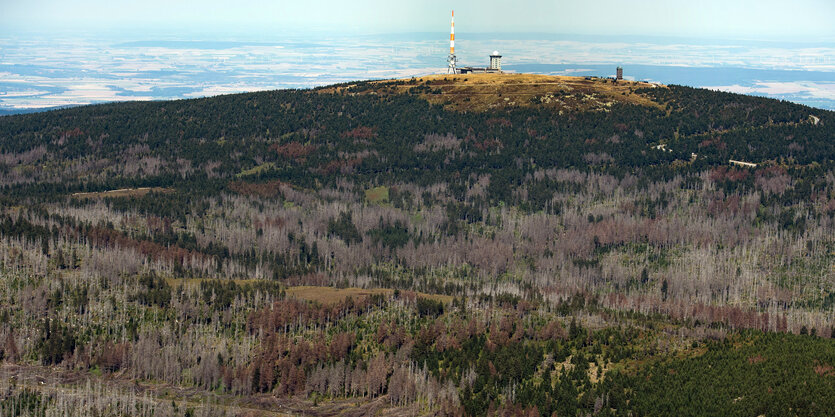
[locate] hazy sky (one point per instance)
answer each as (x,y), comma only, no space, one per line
(810,20)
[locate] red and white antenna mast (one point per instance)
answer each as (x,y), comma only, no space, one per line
(452,60)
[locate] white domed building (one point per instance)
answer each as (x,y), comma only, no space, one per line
(495,61)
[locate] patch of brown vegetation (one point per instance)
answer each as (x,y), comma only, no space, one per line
(488,144)
(361,132)
(728,174)
(331,295)
(729,205)
(103,238)
(824,370)
(124,192)
(344,166)
(753,360)
(293,150)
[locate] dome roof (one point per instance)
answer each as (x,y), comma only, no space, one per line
(495,52)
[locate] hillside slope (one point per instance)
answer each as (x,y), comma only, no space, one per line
(491,244)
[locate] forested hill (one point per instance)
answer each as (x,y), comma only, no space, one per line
(452,128)
(449,245)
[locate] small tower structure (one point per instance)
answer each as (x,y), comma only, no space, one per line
(496,61)
(452,60)
(619,75)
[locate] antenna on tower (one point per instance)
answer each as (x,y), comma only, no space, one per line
(452,59)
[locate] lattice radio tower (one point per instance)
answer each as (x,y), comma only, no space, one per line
(452,59)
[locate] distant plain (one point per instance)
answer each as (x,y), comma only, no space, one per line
(46,71)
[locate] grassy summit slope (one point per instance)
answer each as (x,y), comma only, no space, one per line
(482,92)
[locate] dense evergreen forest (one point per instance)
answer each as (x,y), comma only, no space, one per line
(456,245)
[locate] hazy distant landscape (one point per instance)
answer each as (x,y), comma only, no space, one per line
(41,72)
